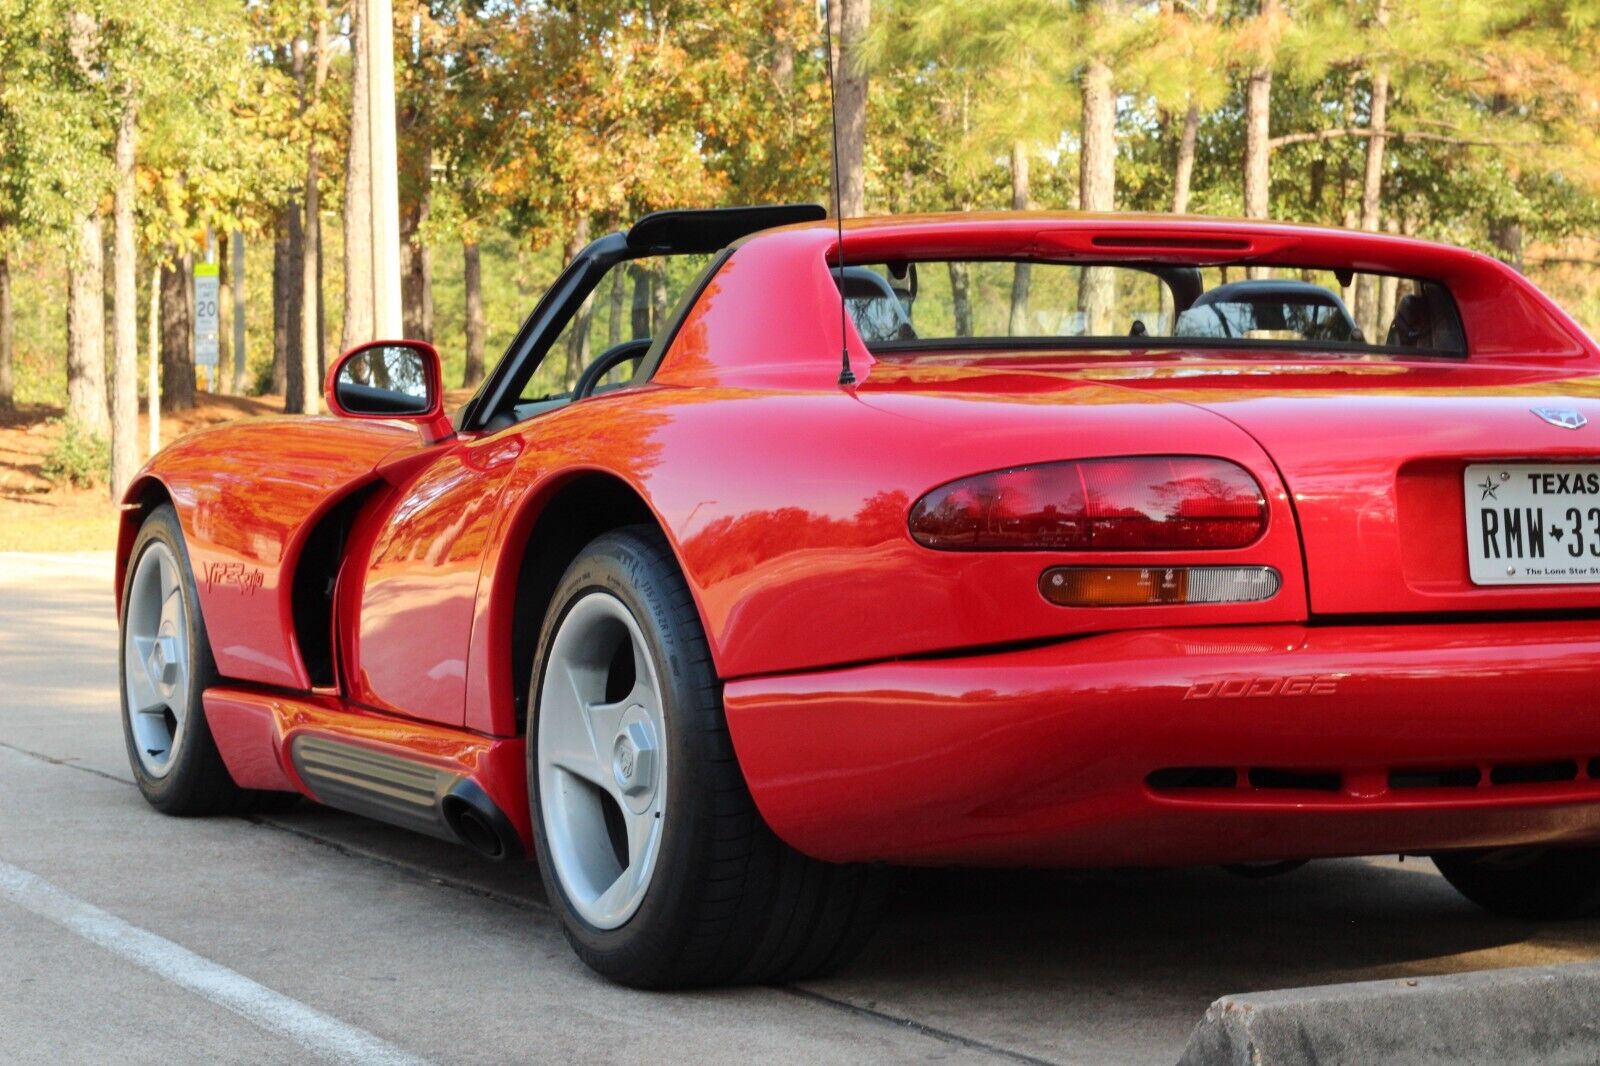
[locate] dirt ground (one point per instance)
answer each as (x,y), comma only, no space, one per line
(37,516)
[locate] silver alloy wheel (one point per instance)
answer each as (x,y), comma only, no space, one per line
(155,659)
(602,760)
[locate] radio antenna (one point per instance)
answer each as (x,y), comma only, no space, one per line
(846,375)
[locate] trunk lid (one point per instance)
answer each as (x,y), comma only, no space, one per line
(1373,455)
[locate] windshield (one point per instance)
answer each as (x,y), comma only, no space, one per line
(629,306)
(989,304)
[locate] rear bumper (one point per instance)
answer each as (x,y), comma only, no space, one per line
(1187,746)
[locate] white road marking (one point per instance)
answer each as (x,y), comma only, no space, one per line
(311,1029)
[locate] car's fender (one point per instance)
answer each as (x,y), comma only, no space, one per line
(788,514)
(246,496)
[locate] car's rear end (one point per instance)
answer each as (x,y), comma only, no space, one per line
(1294,579)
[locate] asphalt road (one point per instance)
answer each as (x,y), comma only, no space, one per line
(127,935)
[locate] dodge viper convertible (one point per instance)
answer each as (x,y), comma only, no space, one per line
(767,559)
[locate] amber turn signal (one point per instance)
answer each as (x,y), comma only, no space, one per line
(1134,586)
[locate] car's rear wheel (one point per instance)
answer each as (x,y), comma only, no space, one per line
(1538,884)
(650,846)
(165,668)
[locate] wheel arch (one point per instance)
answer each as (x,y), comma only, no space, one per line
(143,496)
(543,537)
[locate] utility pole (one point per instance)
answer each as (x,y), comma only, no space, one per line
(236,247)
(386,303)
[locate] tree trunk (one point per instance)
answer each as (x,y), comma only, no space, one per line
(286,295)
(241,365)
(1507,236)
(416,259)
(1184,174)
(961,297)
(1368,299)
(472,276)
(282,309)
(848,23)
(1097,188)
(358,307)
(86,330)
(578,338)
(302,397)
(322,307)
(578,342)
(1021,273)
(8,387)
(658,298)
(177,335)
(641,301)
(224,378)
(1388,297)
(618,299)
(152,360)
(294,380)
(124,312)
(1257,150)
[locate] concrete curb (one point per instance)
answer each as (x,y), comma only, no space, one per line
(1542,1014)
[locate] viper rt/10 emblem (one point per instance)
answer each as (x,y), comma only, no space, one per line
(1565,417)
(1239,688)
(246,579)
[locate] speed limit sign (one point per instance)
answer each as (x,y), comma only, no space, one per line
(207,316)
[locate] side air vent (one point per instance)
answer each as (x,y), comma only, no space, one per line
(408,794)
(316,571)
(374,785)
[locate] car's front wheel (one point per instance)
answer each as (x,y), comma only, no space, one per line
(650,846)
(1538,884)
(166,667)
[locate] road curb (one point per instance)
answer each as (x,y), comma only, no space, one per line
(1544,1014)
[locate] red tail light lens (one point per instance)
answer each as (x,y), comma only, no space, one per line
(1140,503)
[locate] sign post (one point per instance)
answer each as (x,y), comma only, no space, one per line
(207,320)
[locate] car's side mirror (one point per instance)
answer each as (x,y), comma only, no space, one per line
(397,380)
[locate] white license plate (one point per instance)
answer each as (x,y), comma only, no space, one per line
(1533,523)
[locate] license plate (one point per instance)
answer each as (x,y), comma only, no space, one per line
(1533,524)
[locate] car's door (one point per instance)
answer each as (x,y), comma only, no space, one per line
(413,603)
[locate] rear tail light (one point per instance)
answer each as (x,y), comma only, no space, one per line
(1140,503)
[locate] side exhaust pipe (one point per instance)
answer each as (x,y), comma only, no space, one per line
(478,823)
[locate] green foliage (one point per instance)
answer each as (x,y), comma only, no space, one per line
(528,122)
(79,458)
(52,160)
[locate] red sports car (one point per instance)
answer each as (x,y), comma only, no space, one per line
(1123,541)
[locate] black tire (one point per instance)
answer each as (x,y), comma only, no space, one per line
(198,783)
(1536,884)
(728,902)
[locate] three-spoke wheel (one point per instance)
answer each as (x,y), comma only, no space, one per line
(155,658)
(651,848)
(166,668)
(601,761)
